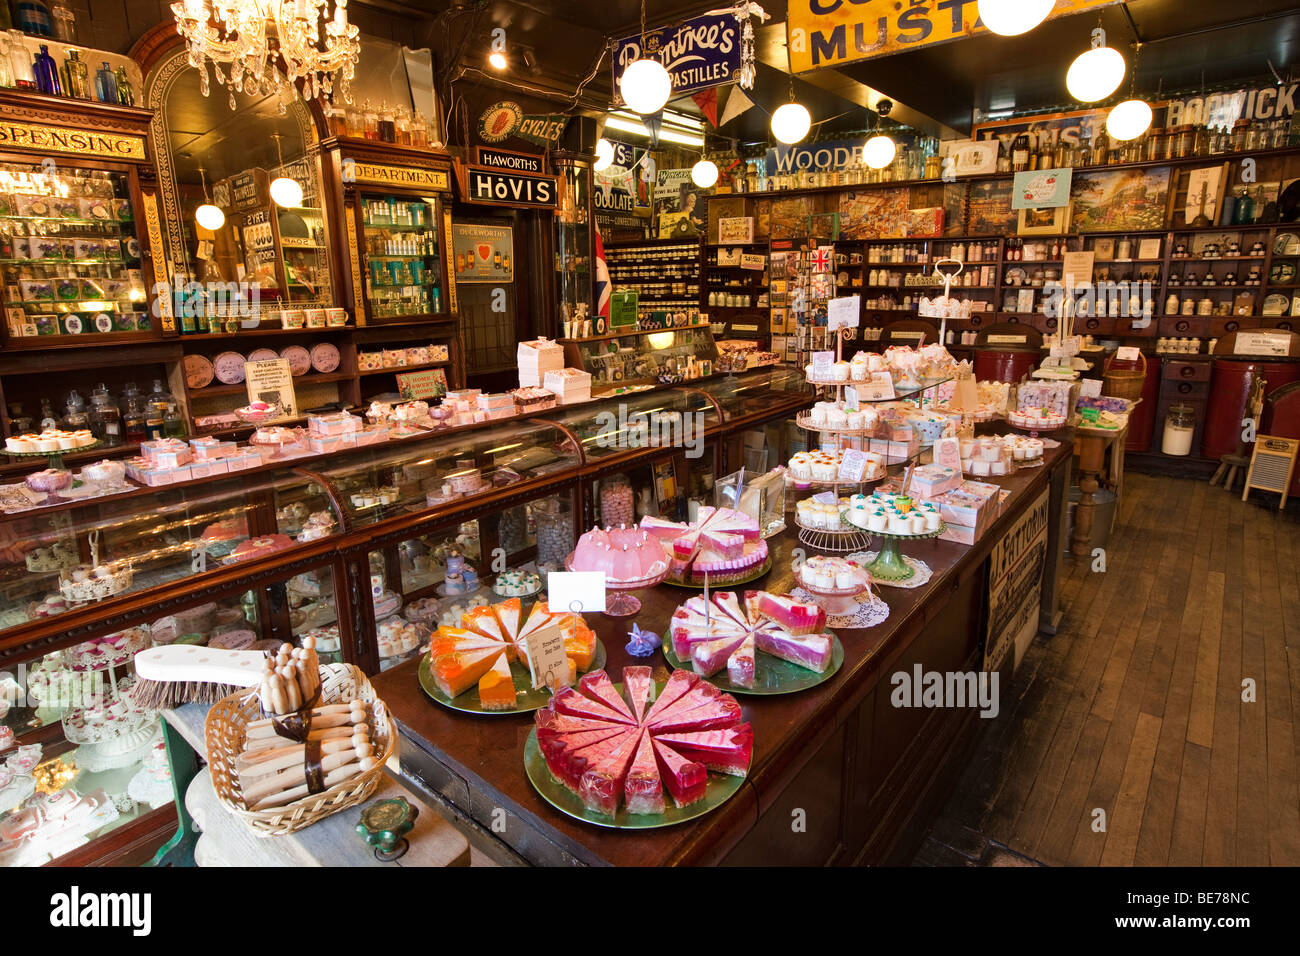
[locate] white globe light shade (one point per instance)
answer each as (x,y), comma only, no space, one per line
(645,86)
(210,217)
(604,154)
(791,123)
(879,152)
(1128,120)
(1095,74)
(286,192)
(1011,18)
(498,60)
(704,173)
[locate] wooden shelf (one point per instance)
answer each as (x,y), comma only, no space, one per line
(400,368)
(258,333)
(622,335)
(310,378)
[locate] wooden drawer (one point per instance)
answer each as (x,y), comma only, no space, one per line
(1178,371)
(1290,323)
(1095,325)
(1186,326)
(1221,325)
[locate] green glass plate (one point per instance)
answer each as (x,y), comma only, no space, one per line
(526,699)
(771,674)
(719,789)
(767,566)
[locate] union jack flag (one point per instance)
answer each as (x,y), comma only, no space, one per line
(820,260)
(603,286)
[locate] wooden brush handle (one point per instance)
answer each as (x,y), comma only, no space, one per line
(266,785)
(258,761)
(331,778)
(271,741)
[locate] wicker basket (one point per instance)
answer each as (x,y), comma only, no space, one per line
(1123,383)
(224,731)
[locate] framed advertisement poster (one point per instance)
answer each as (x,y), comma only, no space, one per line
(737,229)
(483,253)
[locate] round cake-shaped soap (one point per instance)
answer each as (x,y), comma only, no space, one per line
(624,554)
(260,547)
(298,358)
(324,357)
(199,371)
(263,355)
(229,367)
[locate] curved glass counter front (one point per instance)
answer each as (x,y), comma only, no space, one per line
(753,393)
(76,555)
(446,472)
(677,418)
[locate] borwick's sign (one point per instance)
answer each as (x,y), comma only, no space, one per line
(497,187)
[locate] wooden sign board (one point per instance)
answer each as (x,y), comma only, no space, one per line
(1271,466)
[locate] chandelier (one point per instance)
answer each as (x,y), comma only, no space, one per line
(249,41)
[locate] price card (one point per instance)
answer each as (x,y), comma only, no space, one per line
(547,661)
(576,591)
(853,465)
(1128,353)
(947,452)
(967,393)
(1261,343)
(1076,267)
(822,363)
(843,313)
(850,397)
(825,498)
(879,388)
(1090,388)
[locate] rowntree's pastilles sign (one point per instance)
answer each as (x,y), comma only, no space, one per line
(825,33)
(700,53)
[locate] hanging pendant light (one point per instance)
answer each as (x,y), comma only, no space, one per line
(1095,73)
(1011,18)
(704,173)
(208,216)
(285,191)
(645,85)
(791,122)
(879,151)
(1132,118)
(604,155)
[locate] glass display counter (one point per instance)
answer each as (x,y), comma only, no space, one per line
(677,417)
(642,357)
(756,393)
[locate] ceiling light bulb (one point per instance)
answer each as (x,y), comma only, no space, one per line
(604,154)
(879,151)
(791,123)
(645,86)
(704,173)
(1011,18)
(210,217)
(286,192)
(1095,74)
(1128,120)
(498,60)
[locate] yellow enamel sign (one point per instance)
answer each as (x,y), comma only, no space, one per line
(826,33)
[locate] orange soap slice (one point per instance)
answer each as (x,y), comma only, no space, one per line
(484,621)
(458,671)
(580,646)
(496,688)
(508,613)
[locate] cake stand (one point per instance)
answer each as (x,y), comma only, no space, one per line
(55,458)
(621,603)
(842,540)
(837,602)
(889,564)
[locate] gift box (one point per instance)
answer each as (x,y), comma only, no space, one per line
(536,359)
(325,443)
(930,481)
(569,385)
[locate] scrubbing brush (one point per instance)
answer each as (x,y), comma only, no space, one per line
(176,674)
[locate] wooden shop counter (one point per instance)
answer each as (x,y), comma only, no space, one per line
(867,776)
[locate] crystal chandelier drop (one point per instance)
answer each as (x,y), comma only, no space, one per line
(246,40)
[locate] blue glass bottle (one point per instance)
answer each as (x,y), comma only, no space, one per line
(105,84)
(47,73)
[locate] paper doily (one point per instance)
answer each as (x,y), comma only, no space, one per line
(864,614)
(921,572)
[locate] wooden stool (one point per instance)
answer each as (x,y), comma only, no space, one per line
(1227,470)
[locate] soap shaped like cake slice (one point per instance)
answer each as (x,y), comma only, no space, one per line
(740,665)
(685,546)
(795,617)
(551,721)
(643,790)
(483,620)
(662,529)
(729,604)
(686,779)
(721,712)
(709,657)
(813,651)
(598,686)
(727,750)
(638,685)
(569,701)
(569,758)
(701,693)
(724,543)
(735,522)
(447,639)
(679,683)
(496,688)
(538,617)
(685,638)
(508,612)
(580,645)
(458,671)
(601,784)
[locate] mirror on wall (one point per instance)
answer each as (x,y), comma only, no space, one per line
(258,165)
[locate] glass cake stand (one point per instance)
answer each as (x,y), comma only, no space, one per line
(837,602)
(621,603)
(55,458)
(889,564)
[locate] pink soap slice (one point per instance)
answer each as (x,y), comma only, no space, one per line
(727,751)
(568,758)
(598,686)
(730,606)
(813,651)
(685,546)
(679,682)
(684,638)
(601,784)
(740,665)
(686,779)
(643,790)
(552,722)
(723,712)
(725,544)
(795,617)
(638,685)
(709,657)
(663,530)
(569,701)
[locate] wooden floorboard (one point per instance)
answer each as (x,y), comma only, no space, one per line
(1135,707)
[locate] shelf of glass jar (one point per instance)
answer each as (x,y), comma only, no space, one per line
(629,333)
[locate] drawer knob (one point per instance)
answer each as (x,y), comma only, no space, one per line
(1184,388)
(1187,371)
(1092,324)
(1183,326)
(1231,326)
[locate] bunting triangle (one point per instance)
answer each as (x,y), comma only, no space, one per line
(707,101)
(654,124)
(737,103)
